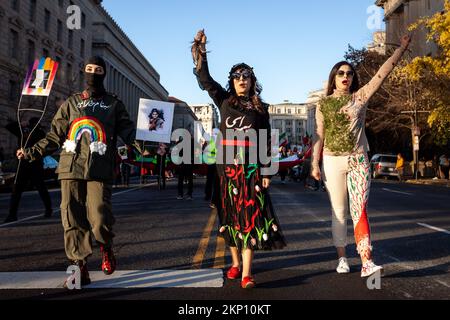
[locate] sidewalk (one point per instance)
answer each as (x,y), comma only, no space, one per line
(436,182)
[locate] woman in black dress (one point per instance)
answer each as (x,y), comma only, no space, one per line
(247,220)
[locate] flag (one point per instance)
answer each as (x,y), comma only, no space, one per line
(284,140)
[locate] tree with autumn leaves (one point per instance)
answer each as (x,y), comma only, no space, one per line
(435,72)
(420,83)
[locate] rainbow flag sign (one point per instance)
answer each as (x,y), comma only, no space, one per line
(40,78)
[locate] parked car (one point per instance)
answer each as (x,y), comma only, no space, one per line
(383,165)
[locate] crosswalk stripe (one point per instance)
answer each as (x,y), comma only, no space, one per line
(203,278)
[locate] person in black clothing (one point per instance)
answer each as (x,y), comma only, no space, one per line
(28,171)
(186,172)
(283,172)
(161,155)
(247,220)
(2,158)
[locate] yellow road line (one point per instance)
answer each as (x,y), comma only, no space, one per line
(200,255)
(219,259)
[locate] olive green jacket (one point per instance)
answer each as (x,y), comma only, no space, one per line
(87,130)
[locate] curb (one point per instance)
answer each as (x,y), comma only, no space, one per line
(429,183)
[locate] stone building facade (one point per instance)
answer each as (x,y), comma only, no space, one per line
(400,14)
(32,29)
(296,120)
(208,115)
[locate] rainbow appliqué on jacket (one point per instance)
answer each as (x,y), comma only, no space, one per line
(95,130)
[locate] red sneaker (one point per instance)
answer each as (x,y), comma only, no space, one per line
(234,273)
(248,283)
(108,260)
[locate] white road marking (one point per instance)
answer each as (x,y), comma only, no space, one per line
(204,278)
(399,192)
(57,210)
(443,283)
(434,228)
(23,220)
(29,193)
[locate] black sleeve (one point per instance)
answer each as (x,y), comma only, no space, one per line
(266,125)
(125,127)
(54,140)
(206,82)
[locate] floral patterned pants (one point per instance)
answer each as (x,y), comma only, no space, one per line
(347,179)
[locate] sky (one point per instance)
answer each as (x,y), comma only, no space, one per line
(291,44)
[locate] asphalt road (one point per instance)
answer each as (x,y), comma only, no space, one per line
(410,230)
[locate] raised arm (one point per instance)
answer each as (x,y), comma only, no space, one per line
(366,92)
(206,82)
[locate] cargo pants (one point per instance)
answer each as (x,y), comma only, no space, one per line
(85,208)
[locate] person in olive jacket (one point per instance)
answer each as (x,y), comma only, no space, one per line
(86,127)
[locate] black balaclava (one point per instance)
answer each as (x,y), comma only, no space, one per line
(95,81)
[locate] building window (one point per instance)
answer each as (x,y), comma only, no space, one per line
(13,91)
(59,73)
(82,48)
(289,111)
(69,74)
(32,16)
(13,44)
(15,5)
(279,111)
(81,81)
(45,53)
(59,31)
(83,20)
(47,18)
(31,51)
(70,43)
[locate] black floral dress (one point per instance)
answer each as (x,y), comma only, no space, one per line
(246,215)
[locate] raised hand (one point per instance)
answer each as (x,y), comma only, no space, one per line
(200,37)
(198,48)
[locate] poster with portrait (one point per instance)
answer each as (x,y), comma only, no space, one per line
(155,121)
(123,152)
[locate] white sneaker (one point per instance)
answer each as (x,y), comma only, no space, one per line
(343,266)
(369,268)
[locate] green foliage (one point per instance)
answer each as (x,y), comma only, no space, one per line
(338,136)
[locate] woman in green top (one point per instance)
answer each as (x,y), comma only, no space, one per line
(340,123)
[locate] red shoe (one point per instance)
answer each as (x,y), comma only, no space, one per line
(248,283)
(108,260)
(234,273)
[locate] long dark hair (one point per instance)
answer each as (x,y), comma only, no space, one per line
(159,112)
(332,78)
(255,89)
